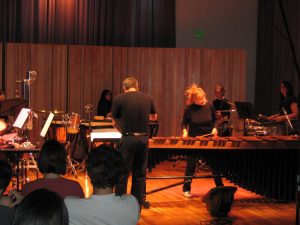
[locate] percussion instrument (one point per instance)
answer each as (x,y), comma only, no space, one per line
(266,165)
(72,122)
(61,134)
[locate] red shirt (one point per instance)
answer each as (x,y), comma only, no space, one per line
(64,187)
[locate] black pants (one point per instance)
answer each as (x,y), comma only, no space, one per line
(190,171)
(135,152)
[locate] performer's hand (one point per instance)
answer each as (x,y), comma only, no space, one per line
(219,115)
(184,133)
(273,117)
(214,132)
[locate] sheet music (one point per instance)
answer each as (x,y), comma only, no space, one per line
(105,133)
(47,125)
(22,117)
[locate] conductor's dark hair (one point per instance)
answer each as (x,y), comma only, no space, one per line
(52,158)
(105,167)
(41,207)
(5,175)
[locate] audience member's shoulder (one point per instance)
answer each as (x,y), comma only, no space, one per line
(130,199)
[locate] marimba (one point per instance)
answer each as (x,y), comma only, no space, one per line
(266,165)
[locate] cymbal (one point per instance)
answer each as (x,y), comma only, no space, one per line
(47,111)
(41,111)
(58,111)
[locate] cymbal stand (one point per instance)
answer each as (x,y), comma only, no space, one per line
(69,160)
(70,165)
(88,110)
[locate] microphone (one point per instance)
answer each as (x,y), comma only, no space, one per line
(32,75)
(287,118)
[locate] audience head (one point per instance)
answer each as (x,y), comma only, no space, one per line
(105,167)
(286,89)
(5,176)
(41,207)
(219,91)
(106,95)
(195,95)
(52,158)
(130,82)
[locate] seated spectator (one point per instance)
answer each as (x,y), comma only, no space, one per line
(105,167)
(41,207)
(6,203)
(52,164)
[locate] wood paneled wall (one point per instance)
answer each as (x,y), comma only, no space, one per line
(71,76)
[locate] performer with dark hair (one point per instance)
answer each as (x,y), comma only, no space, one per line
(288,103)
(105,103)
(199,119)
(222,108)
(131,112)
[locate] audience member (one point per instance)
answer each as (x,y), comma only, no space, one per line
(104,167)
(41,207)
(52,164)
(6,203)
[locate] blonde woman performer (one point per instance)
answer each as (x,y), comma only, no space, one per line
(199,119)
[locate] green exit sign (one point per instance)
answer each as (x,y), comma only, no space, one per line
(199,34)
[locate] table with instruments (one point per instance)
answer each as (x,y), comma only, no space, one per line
(15,155)
(266,165)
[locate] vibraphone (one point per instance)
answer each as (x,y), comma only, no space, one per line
(266,165)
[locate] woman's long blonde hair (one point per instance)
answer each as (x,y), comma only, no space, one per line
(195,95)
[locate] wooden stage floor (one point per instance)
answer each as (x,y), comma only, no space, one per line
(169,207)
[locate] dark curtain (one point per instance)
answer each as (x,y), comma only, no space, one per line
(274,54)
(147,23)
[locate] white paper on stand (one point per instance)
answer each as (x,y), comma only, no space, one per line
(47,125)
(22,117)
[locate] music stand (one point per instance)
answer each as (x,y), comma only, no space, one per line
(47,125)
(245,111)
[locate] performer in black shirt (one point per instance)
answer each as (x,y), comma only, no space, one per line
(105,103)
(199,119)
(222,108)
(288,102)
(131,112)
